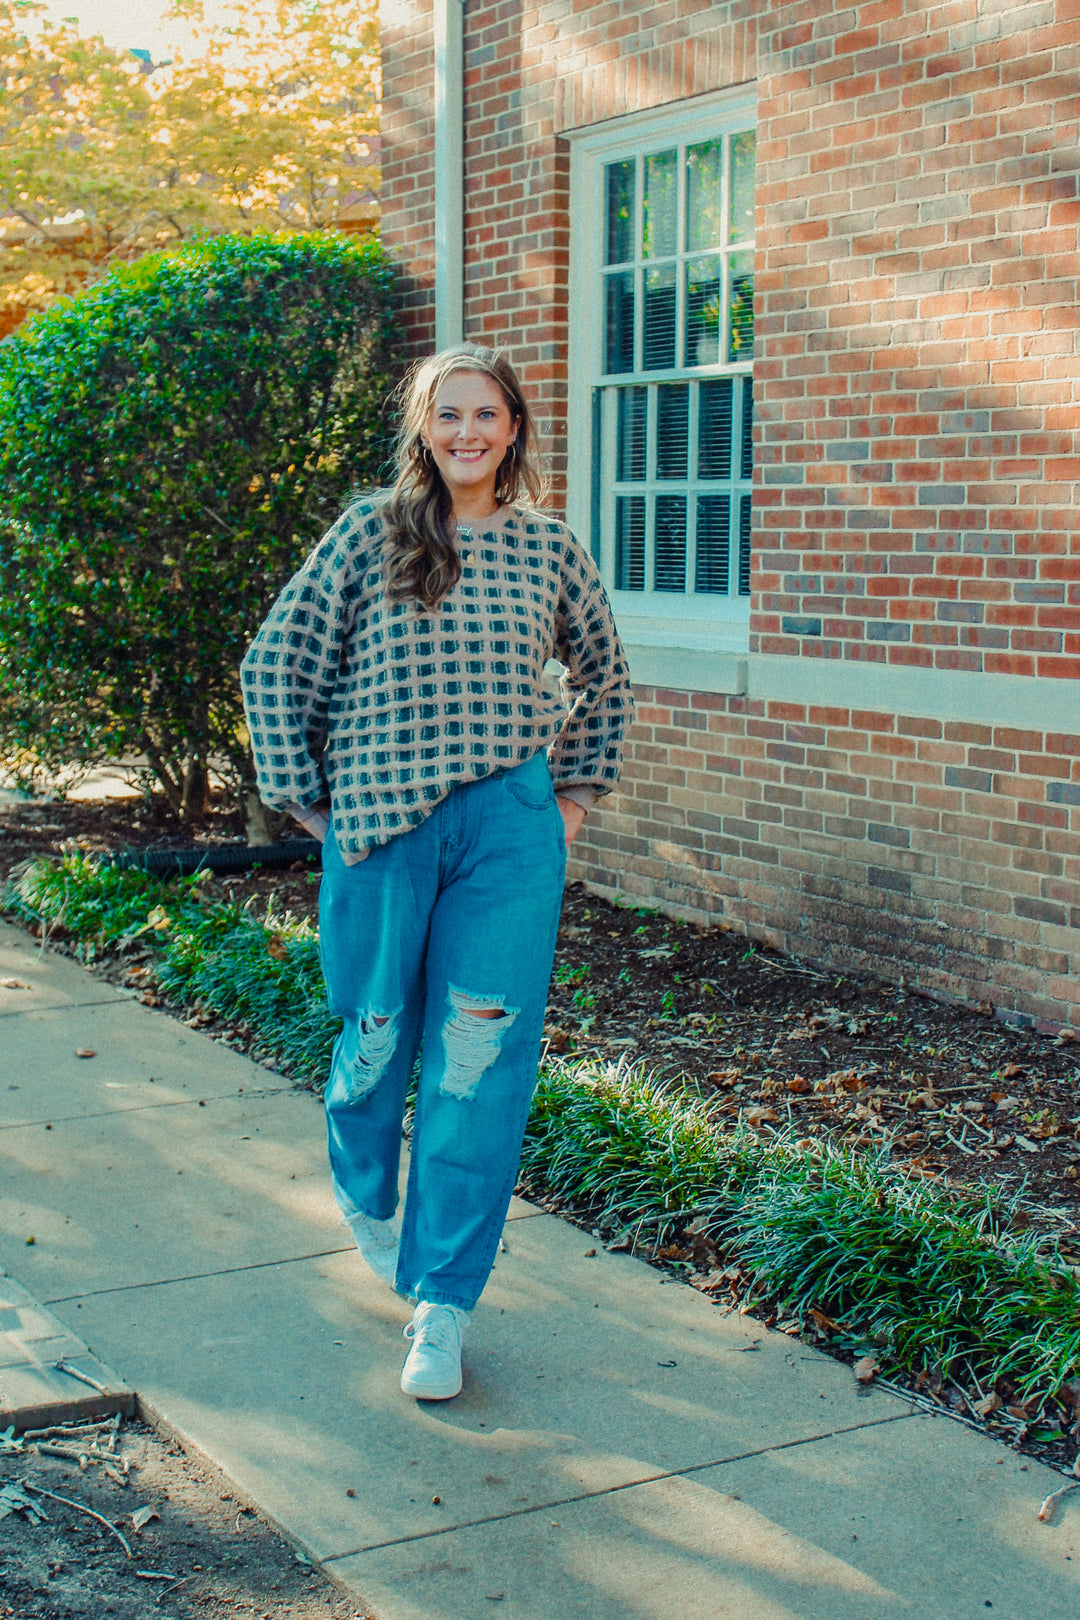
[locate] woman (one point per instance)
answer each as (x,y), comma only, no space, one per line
(397,707)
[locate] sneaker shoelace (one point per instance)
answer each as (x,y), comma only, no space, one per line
(436,1330)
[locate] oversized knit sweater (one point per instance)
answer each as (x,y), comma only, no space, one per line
(385,707)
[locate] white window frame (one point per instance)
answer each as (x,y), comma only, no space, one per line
(694,642)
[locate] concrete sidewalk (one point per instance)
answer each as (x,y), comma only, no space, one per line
(621,1451)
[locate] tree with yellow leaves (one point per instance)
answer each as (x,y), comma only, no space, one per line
(268,122)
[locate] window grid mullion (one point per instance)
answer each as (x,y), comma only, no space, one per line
(692,492)
(680,257)
(736,505)
(638,245)
(651,414)
(609,500)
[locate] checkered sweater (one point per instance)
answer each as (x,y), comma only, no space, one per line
(386,707)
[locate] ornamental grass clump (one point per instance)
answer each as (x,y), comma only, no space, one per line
(262,972)
(101,907)
(931,1278)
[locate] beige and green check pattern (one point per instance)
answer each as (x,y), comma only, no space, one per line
(387,708)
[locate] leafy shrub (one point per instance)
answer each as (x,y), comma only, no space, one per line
(172,442)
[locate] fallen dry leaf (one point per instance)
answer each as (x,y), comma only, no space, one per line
(989,1403)
(13,984)
(1070,1392)
(845,1080)
(275,947)
(1011,1070)
(1047,1124)
(865,1369)
(724,1077)
(143,1515)
(85,1051)
(799,1083)
(831,1018)
(761,1116)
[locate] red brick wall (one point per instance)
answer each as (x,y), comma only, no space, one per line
(871,841)
(407,148)
(917,395)
(916,375)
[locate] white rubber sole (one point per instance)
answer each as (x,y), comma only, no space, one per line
(422,1391)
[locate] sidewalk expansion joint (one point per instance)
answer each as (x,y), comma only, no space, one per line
(66,1006)
(200,1276)
(614,1490)
(145,1108)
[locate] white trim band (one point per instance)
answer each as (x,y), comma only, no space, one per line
(1031,702)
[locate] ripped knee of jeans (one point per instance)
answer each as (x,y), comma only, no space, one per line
(376,1038)
(472,1038)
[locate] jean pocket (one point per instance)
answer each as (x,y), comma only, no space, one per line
(530,784)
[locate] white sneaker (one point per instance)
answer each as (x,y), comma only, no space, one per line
(378,1242)
(432,1370)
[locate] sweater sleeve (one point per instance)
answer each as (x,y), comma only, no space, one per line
(290,671)
(588,749)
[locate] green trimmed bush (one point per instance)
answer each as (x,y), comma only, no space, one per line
(172,442)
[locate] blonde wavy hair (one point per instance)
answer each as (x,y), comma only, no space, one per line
(424,564)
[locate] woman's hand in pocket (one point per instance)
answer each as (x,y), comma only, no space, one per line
(314,818)
(573,817)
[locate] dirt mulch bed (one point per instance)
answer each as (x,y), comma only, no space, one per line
(201,1554)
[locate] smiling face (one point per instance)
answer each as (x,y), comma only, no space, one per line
(468,431)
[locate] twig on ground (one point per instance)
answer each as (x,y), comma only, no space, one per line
(79,1508)
(928,1405)
(75,1453)
(171,1588)
(1046,1512)
(790,967)
(67,1431)
(64,1366)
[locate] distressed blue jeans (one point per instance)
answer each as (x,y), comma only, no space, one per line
(456,916)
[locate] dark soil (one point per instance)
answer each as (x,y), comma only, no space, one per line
(221,1558)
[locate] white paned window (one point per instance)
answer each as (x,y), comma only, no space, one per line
(662,223)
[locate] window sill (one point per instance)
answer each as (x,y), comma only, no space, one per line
(686,661)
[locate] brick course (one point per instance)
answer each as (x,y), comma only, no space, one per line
(876,842)
(917,380)
(917,459)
